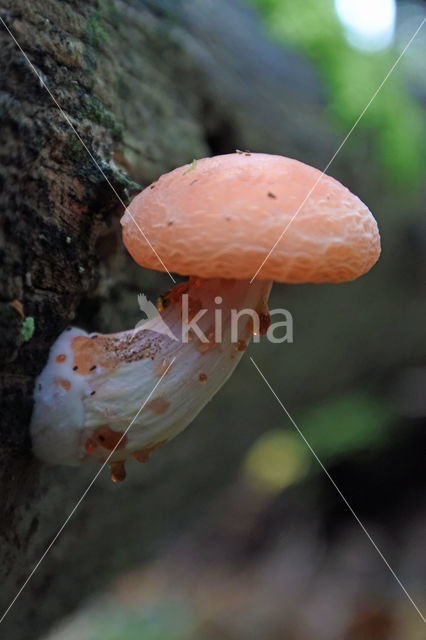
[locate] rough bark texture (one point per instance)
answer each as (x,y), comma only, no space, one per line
(148,86)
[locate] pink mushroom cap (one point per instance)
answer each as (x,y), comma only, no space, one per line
(221,216)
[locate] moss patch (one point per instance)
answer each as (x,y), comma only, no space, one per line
(74,149)
(94,33)
(27,328)
(94,109)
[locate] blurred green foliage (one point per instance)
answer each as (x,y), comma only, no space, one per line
(276,460)
(351,77)
(340,427)
(166,619)
(345,425)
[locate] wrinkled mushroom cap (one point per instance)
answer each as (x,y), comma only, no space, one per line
(221,217)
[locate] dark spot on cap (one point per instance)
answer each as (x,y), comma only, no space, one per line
(75,368)
(93,393)
(92,368)
(170,222)
(271,195)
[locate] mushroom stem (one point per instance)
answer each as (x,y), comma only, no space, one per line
(93,385)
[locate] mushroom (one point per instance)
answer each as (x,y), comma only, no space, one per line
(214,220)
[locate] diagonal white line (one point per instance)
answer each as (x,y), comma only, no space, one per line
(67,119)
(339,492)
(345,139)
(84,494)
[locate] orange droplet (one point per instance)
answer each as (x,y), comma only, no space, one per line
(109,439)
(240,345)
(172,296)
(264,319)
(252,330)
(202,377)
(61,357)
(118,471)
(143,454)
